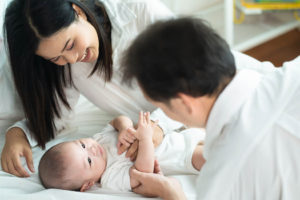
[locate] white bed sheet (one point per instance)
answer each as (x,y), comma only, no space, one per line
(88,121)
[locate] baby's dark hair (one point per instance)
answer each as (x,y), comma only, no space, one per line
(53,170)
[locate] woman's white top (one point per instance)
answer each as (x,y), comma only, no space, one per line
(128,18)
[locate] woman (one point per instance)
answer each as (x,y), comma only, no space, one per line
(59,49)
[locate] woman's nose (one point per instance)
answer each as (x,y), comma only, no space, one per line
(71,57)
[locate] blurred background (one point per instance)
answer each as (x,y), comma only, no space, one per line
(265,29)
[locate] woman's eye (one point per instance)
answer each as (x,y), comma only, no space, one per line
(83,145)
(90,161)
(56,59)
(71,47)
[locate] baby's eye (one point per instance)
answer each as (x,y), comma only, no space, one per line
(89,160)
(83,145)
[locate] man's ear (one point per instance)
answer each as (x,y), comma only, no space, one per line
(86,185)
(79,11)
(187,101)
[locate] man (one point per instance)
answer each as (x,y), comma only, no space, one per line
(252,119)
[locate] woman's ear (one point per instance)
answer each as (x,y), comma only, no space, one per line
(79,11)
(86,185)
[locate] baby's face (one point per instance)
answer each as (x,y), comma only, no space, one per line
(86,160)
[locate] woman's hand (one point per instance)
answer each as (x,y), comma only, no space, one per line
(16,145)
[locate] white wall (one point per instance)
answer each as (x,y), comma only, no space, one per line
(3,5)
(189,6)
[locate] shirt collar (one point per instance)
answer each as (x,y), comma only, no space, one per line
(228,104)
(119,13)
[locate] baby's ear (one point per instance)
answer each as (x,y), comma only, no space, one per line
(86,185)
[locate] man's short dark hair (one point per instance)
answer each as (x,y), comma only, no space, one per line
(176,56)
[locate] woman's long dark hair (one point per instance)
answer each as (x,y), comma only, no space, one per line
(41,83)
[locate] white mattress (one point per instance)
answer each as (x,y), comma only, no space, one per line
(88,120)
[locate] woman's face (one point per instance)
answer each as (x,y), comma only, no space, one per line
(75,43)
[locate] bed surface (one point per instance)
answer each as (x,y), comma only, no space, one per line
(88,120)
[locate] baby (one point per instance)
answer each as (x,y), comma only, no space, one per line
(79,164)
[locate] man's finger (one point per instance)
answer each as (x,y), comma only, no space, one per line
(139,190)
(133,148)
(157,169)
(128,138)
(137,175)
(133,157)
(122,148)
(124,142)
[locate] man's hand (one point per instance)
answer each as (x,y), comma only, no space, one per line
(133,149)
(157,185)
(126,138)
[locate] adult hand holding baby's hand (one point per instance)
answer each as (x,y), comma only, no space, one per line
(157,136)
(125,139)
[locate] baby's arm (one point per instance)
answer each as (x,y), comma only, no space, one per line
(145,157)
(121,122)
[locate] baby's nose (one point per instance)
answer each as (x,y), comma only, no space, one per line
(93,150)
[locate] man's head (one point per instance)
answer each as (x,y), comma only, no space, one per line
(181,65)
(74,165)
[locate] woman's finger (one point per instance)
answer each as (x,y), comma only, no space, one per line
(29,161)
(4,164)
(18,166)
(12,170)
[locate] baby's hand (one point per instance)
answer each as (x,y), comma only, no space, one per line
(145,128)
(126,137)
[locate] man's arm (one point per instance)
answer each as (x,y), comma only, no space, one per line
(157,185)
